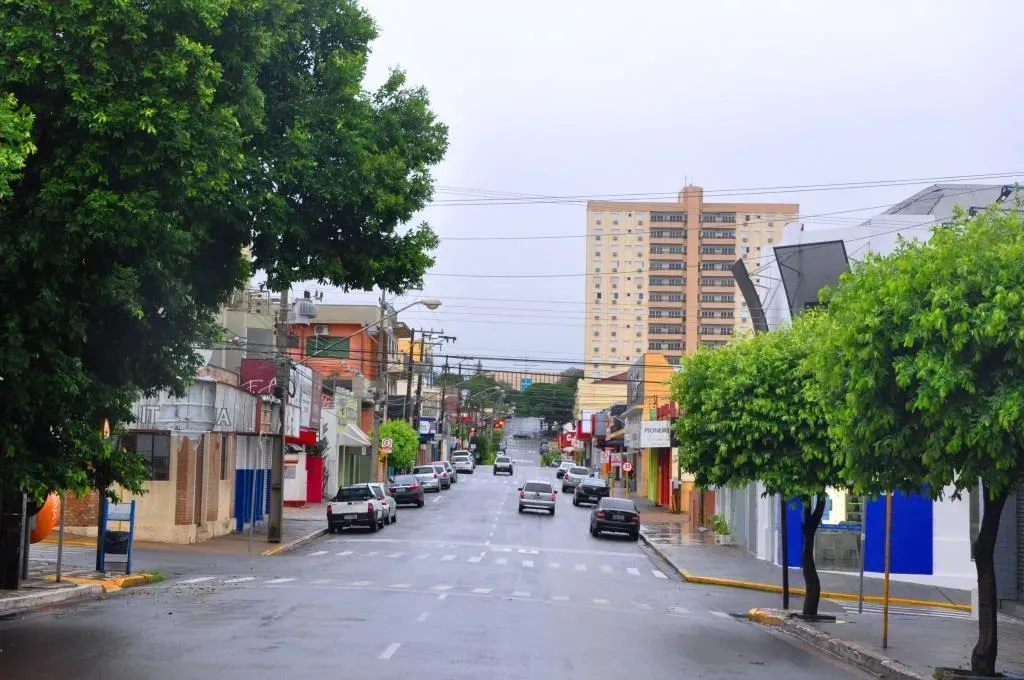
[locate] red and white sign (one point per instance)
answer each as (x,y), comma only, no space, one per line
(627,467)
(386,444)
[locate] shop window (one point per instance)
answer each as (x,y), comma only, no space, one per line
(155,449)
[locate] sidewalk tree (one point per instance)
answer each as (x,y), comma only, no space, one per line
(405,443)
(925,371)
(165,139)
(749,412)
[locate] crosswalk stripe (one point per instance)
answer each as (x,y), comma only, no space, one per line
(528,564)
(679,611)
(274,581)
(641,605)
(475,559)
(554,565)
(658,573)
(198,579)
(448,558)
(346,553)
(423,556)
(395,555)
(581,567)
(320,581)
(400,585)
(481,591)
(598,600)
(633,571)
(318,553)
(360,583)
(501,560)
(520,593)
(373,553)
(243,579)
(441,588)
(606,569)
(721,615)
(560,598)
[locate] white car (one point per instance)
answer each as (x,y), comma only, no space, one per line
(390,510)
(462,461)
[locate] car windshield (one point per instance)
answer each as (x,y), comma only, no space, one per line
(593,481)
(579,471)
(618,504)
(405,479)
(565,464)
(502,459)
(461,459)
(542,487)
(354,493)
(423,470)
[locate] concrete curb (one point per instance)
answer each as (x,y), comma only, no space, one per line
(773,588)
(112,584)
(852,653)
(288,547)
(37,600)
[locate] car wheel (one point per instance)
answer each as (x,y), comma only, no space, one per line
(593,531)
(552,512)
(394,520)
(419,503)
(575,502)
(374,526)
(520,509)
(635,535)
(495,473)
(387,519)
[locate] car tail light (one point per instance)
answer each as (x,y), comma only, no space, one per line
(414,487)
(522,494)
(435,475)
(552,495)
(635,518)
(600,515)
(392,489)
(328,509)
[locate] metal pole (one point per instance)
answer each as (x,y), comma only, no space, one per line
(253,462)
(784,527)
(442,427)
(863,549)
(407,407)
(416,405)
(888,555)
(60,535)
(381,396)
(284,374)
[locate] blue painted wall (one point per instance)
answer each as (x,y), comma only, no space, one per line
(912,540)
(244,495)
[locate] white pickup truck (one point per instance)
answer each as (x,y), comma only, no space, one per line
(356,506)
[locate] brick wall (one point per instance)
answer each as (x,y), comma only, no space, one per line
(217,445)
(82,511)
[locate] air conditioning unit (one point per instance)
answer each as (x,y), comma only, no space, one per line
(321,329)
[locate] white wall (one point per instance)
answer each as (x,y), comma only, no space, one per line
(295,486)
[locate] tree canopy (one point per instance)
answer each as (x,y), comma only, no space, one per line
(749,412)
(142,147)
(405,443)
(924,372)
(552,401)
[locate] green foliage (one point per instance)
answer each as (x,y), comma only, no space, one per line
(486,450)
(924,364)
(164,139)
(551,401)
(718,524)
(405,443)
(749,413)
(550,457)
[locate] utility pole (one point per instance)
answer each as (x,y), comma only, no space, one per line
(276,510)
(407,406)
(381,396)
(443,426)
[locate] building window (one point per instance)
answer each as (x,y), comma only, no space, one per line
(717,233)
(224,458)
(328,347)
(155,449)
(718,218)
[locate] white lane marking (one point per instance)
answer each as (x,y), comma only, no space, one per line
(243,579)
(633,571)
(554,565)
(528,564)
(441,588)
(475,559)
(678,611)
(442,596)
(279,580)
(360,583)
(658,573)
(436,500)
(320,581)
(345,553)
(200,579)
(481,591)
(423,617)
(423,556)
(560,598)
(606,569)
(721,615)
(390,651)
(501,560)
(448,558)
(318,553)
(527,551)
(641,605)
(395,555)
(600,601)
(400,585)
(520,593)
(581,567)
(373,553)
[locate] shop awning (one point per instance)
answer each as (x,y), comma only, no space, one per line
(352,436)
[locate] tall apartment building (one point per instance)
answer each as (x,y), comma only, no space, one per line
(658,274)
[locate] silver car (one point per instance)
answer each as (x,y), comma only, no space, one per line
(537,495)
(452,474)
(428,477)
(573,476)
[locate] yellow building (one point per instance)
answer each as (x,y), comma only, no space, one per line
(593,395)
(658,274)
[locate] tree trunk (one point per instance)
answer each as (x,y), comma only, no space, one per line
(812,519)
(983,657)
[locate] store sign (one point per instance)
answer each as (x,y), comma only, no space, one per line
(655,434)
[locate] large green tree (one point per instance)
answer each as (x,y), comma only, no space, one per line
(552,401)
(164,138)
(924,368)
(405,443)
(749,412)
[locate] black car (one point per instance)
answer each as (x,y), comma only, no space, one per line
(615,514)
(590,490)
(406,489)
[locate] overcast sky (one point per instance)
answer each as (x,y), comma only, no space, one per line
(593,98)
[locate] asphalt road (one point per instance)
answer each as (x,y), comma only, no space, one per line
(463,588)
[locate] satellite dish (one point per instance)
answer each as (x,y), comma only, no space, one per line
(205,355)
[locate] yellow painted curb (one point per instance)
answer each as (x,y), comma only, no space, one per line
(850,597)
(765,617)
(270,552)
(78,544)
(112,584)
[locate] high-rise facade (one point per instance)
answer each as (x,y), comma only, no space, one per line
(658,274)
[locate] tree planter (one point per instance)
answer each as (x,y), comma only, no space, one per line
(724,539)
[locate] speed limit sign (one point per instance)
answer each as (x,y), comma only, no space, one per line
(627,467)
(385,444)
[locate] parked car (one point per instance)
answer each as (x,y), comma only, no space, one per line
(407,489)
(428,477)
(573,476)
(462,461)
(355,506)
(452,474)
(443,476)
(537,495)
(390,504)
(615,514)
(503,464)
(562,467)
(590,490)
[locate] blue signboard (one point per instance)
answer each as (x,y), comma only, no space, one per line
(524,383)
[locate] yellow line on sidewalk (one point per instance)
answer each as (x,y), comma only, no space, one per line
(112,584)
(850,597)
(80,544)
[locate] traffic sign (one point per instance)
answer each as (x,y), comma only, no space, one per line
(627,467)
(386,443)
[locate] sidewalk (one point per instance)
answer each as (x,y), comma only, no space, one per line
(40,589)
